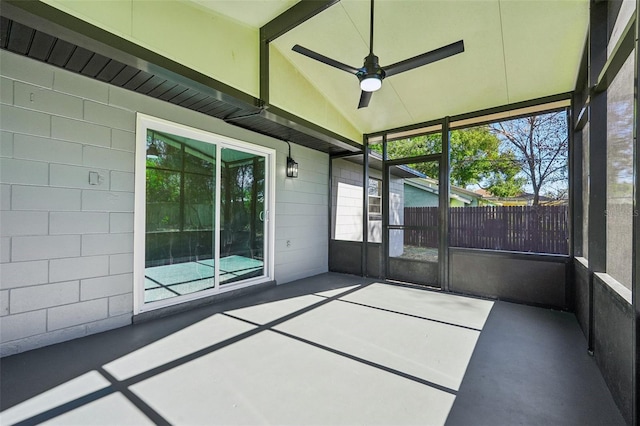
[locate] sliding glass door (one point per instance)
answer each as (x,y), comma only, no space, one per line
(242,216)
(205,225)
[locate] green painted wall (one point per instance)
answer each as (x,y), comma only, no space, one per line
(180,31)
(290,91)
(214,45)
(414,197)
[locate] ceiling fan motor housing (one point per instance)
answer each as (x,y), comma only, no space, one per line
(371,70)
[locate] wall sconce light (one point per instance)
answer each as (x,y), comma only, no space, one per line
(292,166)
(152,152)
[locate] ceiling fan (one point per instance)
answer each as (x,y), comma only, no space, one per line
(371,74)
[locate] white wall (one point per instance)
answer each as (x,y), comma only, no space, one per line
(346,206)
(66,248)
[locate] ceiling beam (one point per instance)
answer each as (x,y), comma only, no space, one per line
(292,17)
(283,23)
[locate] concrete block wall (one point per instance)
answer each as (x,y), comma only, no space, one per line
(66,246)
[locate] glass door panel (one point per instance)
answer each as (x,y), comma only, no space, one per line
(180,216)
(413,236)
(242,215)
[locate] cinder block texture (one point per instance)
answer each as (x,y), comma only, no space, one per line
(80,131)
(121,181)
(95,288)
(121,304)
(78,268)
(23,325)
(67,82)
(77,313)
(120,263)
(62,234)
(78,222)
(5,249)
(67,245)
(94,156)
(107,201)
(44,296)
(22,120)
(6,144)
(6,91)
(44,198)
(123,140)
(45,149)
(116,118)
(5,197)
(24,172)
(95,244)
(21,68)
(13,222)
(78,177)
(121,222)
(46,100)
(21,274)
(4,303)
(44,247)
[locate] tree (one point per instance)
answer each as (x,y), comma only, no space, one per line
(540,145)
(476,159)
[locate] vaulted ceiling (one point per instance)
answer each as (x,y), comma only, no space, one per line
(515,50)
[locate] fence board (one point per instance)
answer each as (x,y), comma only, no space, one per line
(539,229)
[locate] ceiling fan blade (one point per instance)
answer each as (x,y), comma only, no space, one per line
(321,58)
(365,97)
(425,58)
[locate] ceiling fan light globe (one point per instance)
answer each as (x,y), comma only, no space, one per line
(371,83)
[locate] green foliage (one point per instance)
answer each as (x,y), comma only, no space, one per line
(476,159)
(540,146)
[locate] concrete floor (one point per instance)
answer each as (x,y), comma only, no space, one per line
(331,349)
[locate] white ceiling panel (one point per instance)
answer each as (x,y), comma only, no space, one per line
(254,13)
(515,50)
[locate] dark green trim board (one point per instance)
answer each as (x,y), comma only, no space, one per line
(386,207)
(443,201)
(597,141)
(570,286)
(635,250)
(365,207)
(619,55)
(576,204)
(597,237)
(480,113)
(291,18)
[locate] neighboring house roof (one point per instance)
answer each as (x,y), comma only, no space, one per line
(523,199)
(431,185)
(375,162)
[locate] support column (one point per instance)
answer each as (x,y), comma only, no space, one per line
(635,250)
(597,231)
(443,200)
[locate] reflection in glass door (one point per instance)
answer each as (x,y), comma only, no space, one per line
(203,223)
(180,216)
(242,216)
(413,231)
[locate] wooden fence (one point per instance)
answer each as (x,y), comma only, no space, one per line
(539,229)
